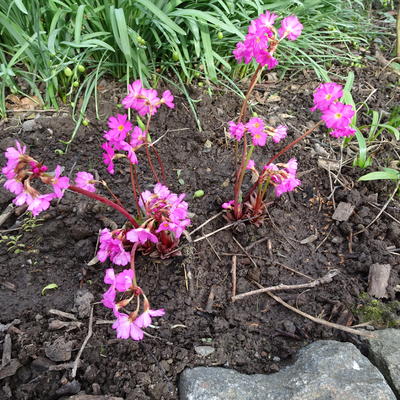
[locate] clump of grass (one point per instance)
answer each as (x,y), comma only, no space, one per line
(59,50)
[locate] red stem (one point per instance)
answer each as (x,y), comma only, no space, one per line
(160,163)
(108,202)
(134,183)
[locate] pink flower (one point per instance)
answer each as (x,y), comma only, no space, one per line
(259,139)
(338,115)
(108,299)
(255,125)
(144,320)
(326,94)
(40,203)
(13,156)
(152,102)
(59,182)
(126,328)
(265,58)
(347,131)
(14,186)
(141,235)
(135,98)
(266,20)
(291,166)
(119,126)
(228,205)
(250,164)
(108,157)
(112,247)
(236,130)
(84,180)
(278,133)
(286,185)
(168,99)
(137,137)
(290,28)
(242,52)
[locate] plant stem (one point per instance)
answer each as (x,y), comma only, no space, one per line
(134,189)
(160,163)
(133,254)
(146,145)
(245,103)
(108,202)
(290,145)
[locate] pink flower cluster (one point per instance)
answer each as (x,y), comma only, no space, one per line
(21,170)
(262,39)
(127,325)
(284,178)
(121,136)
(336,115)
(259,131)
(146,101)
(165,220)
(166,209)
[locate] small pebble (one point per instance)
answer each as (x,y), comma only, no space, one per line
(204,350)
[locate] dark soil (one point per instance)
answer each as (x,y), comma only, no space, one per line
(253,335)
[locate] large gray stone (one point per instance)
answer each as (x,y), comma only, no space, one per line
(384,352)
(324,370)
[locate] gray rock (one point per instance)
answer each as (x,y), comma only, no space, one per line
(30,125)
(204,350)
(91,397)
(82,302)
(69,388)
(324,370)
(59,350)
(384,352)
(40,365)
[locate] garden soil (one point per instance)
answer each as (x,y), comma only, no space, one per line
(299,240)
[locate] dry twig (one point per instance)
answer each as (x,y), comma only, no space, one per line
(234,263)
(88,336)
(325,279)
(316,319)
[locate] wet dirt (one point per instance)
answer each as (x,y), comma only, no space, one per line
(253,335)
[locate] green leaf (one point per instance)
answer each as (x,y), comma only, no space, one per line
(78,23)
(48,287)
(21,6)
(162,16)
(388,174)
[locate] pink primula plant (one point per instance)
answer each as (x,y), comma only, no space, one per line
(261,44)
(153,227)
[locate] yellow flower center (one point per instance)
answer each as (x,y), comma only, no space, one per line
(256,125)
(121,128)
(338,115)
(328,96)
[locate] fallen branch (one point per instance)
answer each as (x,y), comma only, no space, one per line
(325,279)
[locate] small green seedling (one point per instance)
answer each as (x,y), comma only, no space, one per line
(49,287)
(178,174)
(198,193)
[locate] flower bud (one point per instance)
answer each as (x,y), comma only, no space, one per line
(67,71)
(175,56)
(220,35)
(85,122)
(81,68)
(75,84)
